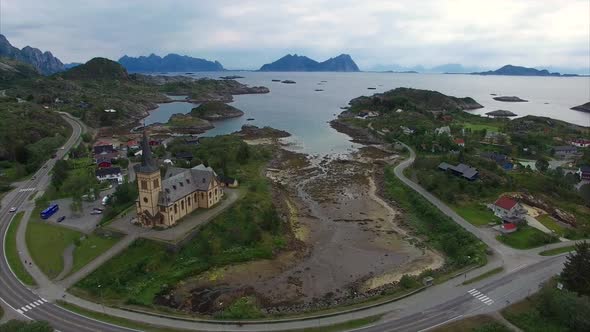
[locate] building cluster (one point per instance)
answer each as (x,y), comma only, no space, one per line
(104,155)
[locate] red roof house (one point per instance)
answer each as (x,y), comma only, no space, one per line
(507,208)
(505,203)
(459,141)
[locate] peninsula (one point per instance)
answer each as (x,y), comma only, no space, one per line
(510,70)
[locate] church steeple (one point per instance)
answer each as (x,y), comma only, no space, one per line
(147,163)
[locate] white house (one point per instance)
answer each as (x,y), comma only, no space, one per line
(109,174)
(507,208)
(443,130)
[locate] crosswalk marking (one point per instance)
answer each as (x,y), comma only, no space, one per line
(26,189)
(31,306)
(480,296)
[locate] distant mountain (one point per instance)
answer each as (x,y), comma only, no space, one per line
(171,62)
(13,69)
(45,63)
(510,70)
(71,65)
(342,63)
(453,68)
(97,69)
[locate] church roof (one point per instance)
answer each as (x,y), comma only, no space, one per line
(179,182)
(148,165)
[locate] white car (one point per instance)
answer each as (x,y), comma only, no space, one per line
(12,209)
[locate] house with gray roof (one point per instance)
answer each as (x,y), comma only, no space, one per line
(461,170)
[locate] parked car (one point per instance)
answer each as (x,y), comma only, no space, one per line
(12,209)
(96,212)
(98,209)
(60,219)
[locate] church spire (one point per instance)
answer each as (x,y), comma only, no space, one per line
(147,163)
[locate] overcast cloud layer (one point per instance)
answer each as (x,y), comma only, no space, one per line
(249,33)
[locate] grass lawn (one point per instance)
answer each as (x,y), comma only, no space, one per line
(526,237)
(12,254)
(557,251)
(476,213)
(47,242)
(476,126)
(484,275)
(90,248)
(475,323)
(550,223)
(527,317)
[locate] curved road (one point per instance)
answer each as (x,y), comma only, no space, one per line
(12,292)
(433,307)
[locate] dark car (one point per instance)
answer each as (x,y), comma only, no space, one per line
(60,219)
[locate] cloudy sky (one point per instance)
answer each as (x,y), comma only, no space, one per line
(248,33)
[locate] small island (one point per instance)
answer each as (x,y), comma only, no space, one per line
(251,132)
(501,114)
(276,80)
(231,77)
(288,82)
(510,99)
(215,110)
(582,108)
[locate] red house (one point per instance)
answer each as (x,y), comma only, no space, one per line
(460,142)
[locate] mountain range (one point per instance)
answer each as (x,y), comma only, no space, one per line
(342,63)
(510,70)
(171,62)
(44,62)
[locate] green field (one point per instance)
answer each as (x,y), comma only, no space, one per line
(557,251)
(550,223)
(477,126)
(12,253)
(526,237)
(47,242)
(475,213)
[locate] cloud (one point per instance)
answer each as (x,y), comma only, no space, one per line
(248,33)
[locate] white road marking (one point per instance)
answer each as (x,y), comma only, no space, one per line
(44,300)
(38,302)
(28,307)
(24,309)
(26,189)
(19,311)
(480,296)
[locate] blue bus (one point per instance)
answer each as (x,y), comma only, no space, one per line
(52,209)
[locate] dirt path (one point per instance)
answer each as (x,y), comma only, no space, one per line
(68,256)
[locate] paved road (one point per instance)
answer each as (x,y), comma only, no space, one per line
(432,307)
(12,292)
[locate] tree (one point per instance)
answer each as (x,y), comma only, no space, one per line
(585,193)
(576,272)
(542,165)
(60,173)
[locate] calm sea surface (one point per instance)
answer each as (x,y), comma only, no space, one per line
(305,113)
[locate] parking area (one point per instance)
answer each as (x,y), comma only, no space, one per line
(83,221)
